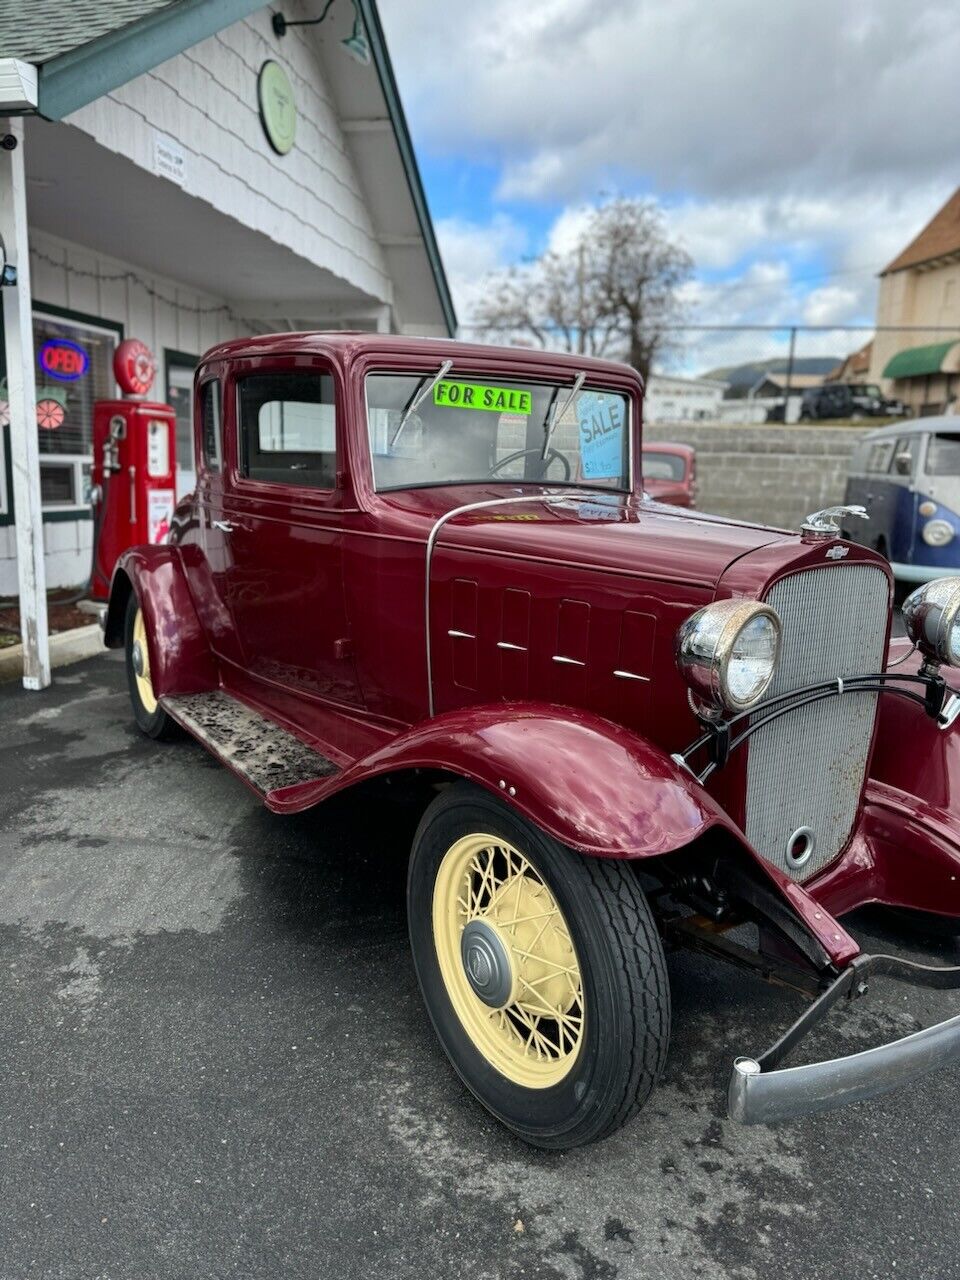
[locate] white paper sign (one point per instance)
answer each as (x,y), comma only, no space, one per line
(159,513)
(168,159)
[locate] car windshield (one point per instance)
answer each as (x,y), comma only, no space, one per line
(474,429)
(943,456)
(662,466)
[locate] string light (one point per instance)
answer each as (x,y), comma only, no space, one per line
(134,278)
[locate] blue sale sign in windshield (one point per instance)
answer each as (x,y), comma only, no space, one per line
(602,426)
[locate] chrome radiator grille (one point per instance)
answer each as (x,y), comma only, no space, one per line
(807,768)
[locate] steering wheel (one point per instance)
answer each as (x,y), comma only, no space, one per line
(552,456)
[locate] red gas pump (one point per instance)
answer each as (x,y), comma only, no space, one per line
(134,467)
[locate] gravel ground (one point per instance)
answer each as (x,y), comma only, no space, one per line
(214,1061)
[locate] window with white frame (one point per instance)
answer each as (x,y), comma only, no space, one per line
(74,367)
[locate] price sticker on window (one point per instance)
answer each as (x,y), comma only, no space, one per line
(602,426)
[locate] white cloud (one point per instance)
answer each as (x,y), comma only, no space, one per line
(690,96)
(471,251)
(795,148)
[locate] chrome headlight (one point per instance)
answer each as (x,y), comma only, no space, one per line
(728,652)
(931,615)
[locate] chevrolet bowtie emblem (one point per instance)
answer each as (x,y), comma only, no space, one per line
(837,553)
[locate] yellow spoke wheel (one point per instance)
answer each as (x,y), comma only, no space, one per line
(140,660)
(507,961)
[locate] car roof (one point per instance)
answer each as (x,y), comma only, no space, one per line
(915,426)
(664,446)
(347,344)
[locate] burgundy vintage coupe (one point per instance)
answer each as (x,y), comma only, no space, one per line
(635,727)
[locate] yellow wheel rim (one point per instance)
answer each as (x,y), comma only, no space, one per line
(142,677)
(529,1023)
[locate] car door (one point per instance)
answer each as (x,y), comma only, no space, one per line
(878,498)
(283,512)
(206,551)
(903,489)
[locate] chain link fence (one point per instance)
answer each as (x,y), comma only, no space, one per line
(753,374)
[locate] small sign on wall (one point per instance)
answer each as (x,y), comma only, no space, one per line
(168,161)
(159,514)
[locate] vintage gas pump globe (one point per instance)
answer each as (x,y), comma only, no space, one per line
(630,726)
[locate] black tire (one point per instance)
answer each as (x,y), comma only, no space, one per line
(156,723)
(625,985)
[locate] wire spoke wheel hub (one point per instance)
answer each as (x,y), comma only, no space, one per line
(507,961)
(140,660)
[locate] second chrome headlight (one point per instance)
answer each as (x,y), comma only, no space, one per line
(728,653)
(931,615)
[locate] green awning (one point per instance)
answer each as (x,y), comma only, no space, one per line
(914,362)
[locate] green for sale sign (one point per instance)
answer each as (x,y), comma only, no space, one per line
(476,395)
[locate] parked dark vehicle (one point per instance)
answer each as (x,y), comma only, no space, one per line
(670,473)
(848,400)
(907,477)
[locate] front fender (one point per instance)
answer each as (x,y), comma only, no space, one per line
(180,657)
(591,784)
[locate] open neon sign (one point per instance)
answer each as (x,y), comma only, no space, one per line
(63,359)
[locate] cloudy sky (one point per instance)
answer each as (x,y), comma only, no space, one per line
(795,147)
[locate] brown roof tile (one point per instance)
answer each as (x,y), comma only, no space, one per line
(940,236)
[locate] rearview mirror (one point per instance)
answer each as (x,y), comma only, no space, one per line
(903,464)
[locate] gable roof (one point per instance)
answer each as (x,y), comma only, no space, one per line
(44,29)
(938,239)
(85,48)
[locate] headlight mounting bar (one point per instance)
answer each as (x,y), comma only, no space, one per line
(720,738)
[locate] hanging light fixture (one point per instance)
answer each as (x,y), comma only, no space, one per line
(356,43)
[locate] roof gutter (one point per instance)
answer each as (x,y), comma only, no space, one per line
(88,72)
(381,59)
(18,87)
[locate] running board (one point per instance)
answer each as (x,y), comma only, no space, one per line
(266,757)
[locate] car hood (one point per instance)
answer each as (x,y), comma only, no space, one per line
(611,532)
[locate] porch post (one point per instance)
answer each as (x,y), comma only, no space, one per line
(22,393)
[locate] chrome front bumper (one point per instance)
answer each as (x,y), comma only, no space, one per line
(760,1093)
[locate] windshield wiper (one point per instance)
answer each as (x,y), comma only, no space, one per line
(554,415)
(419,396)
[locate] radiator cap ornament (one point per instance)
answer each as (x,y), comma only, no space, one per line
(820,526)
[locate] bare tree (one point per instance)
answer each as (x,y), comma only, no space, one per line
(613,293)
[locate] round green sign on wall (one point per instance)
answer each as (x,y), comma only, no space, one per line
(278,110)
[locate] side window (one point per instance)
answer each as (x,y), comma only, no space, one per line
(905,456)
(288,428)
(211,431)
(880,455)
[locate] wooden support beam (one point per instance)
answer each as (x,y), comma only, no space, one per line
(22,395)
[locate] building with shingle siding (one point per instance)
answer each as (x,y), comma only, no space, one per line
(160,208)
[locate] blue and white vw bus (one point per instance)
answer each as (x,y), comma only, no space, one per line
(908,478)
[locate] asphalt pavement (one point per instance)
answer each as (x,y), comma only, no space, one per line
(214,1061)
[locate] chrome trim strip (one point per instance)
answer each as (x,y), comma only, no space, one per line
(431,543)
(514,648)
(461,635)
(630,675)
(572,662)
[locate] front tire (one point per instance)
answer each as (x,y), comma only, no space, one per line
(541,969)
(149,715)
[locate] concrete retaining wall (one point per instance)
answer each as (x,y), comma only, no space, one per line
(775,475)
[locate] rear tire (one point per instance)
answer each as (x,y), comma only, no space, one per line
(150,716)
(571,1034)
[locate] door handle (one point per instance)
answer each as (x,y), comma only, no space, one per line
(223,525)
